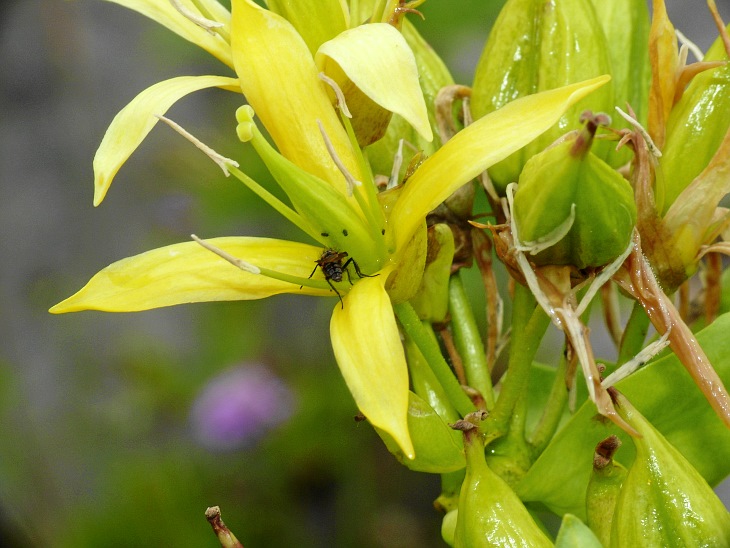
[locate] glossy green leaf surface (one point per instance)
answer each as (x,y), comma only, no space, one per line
(666,395)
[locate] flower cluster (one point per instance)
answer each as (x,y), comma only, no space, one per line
(339,87)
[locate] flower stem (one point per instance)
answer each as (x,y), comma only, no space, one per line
(430,350)
(526,337)
(552,412)
(468,341)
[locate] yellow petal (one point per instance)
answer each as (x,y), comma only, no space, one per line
(132,124)
(380,63)
(317,21)
(280,81)
(164,13)
(478,146)
(187,273)
(370,355)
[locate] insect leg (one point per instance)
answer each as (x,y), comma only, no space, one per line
(357,269)
(338,293)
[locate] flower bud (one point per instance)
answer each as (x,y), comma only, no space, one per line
(490,513)
(432,300)
(664,501)
(575,534)
(536,46)
(569,196)
(448,526)
(604,488)
(696,127)
(438,448)
(625,24)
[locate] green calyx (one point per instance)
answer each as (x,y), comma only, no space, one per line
(572,208)
(536,46)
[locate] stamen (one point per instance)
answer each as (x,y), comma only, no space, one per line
(243,265)
(526,268)
(324,285)
(219,159)
(397,162)
(602,278)
(351,181)
(645,134)
(691,46)
(637,361)
(341,103)
(206,24)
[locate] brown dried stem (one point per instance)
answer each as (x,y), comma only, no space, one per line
(225,537)
(637,278)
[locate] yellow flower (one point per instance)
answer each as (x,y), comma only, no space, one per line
(382,233)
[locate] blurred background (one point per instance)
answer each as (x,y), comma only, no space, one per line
(120,429)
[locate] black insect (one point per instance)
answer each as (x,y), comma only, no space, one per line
(332,267)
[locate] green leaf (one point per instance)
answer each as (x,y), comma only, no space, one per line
(666,395)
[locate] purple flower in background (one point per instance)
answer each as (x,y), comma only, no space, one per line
(239,406)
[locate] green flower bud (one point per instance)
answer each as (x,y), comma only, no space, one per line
(448,526)
(664,501)
(696,127)
(569,183)
(490,513)
(438,448)
(625,24)
(432,300)
(536,46)
(575,534)
(604,488)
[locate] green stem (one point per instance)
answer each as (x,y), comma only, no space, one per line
(432,353)
(526,337)
(552,412)
(634,335)
(468,341)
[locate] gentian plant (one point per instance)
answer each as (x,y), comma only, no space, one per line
(587,162)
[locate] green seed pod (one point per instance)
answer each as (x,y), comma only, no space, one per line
(696,126)
(625,24)
(535,46)
(664,501)
(604,488)
(490,513)
(568,182)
